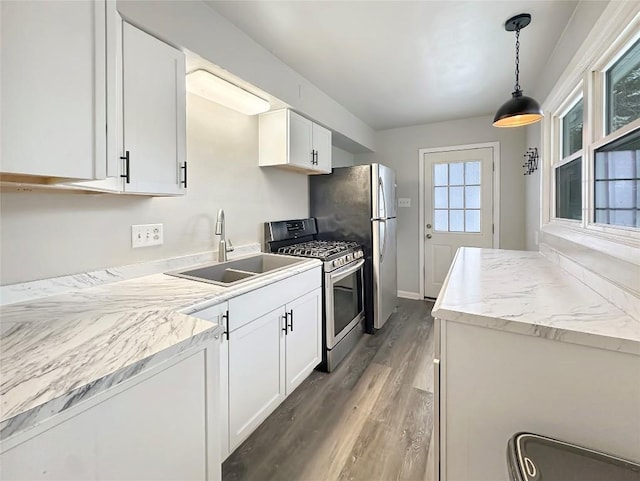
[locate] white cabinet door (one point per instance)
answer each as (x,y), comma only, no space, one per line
(303,338)
(256,382)
(300,141)
(286,139)
(156,429)
(322,149)
(154,109)
(53,94)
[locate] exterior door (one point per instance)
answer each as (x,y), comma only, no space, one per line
(458,208)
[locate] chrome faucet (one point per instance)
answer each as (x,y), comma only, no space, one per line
(222,245)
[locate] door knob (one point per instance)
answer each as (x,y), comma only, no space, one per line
(428,226)
(428,236)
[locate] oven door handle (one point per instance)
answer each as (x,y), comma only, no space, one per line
(345,271)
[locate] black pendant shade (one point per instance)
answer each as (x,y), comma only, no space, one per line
(519,110)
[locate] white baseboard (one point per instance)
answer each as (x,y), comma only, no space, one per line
(409,295)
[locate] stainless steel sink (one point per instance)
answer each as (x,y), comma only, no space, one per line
(238,270)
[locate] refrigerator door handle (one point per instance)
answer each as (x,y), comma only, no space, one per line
(384,199)
(383,240)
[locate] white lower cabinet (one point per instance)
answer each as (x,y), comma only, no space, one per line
(262,359)
(255,374)
(303,342)
(160,425)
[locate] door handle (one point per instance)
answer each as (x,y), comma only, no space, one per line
(428,236)
(291,323)
(127,171)
(286,324)
(225,317)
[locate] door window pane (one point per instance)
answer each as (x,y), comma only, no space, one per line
(622,89)
(472,221)
(569,190)
(441,197)
(441,220)
(572,130)
(456,197)
(472,197)
(456,174)
(617,182)
(456,220)
(472,173)
(440,174)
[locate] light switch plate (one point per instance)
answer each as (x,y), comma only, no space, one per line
(404,202)
(146,235)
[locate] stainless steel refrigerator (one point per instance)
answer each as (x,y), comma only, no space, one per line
(359,203)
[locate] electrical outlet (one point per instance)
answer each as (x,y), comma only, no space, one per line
(146,235)
(404,202)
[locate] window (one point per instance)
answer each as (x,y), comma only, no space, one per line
(569,190)
(623,90)
(617,182)
(456,196)
(572,130)
(568,171)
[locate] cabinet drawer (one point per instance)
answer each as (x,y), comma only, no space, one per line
(249,306)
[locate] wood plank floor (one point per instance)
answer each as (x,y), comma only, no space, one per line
(370,420)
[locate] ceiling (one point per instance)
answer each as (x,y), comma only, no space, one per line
(399,63)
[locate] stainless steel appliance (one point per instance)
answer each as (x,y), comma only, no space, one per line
(359,203)
(343,306)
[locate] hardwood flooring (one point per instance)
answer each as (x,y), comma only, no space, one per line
(371,419)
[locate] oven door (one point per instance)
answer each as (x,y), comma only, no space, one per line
(344,301)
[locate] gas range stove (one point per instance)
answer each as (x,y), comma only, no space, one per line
(342,281)
(298,238)
(334,254)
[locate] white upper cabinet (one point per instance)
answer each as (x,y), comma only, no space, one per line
(81,91)
(153,118)
(322,148)
(53,94)
(292,141)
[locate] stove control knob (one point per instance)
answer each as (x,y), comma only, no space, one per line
(334,263)
(349,257)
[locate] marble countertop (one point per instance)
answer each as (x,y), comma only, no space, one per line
(60,350)
(525,293)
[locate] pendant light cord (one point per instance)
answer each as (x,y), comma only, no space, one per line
(517,86)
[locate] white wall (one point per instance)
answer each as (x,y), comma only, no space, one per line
(46,235)
(532,191)
(191,25)
(398,148)
(341,158)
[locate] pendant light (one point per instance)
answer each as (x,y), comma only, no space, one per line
(520,109)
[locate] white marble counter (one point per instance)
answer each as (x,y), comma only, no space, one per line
(60,350)
(525,293)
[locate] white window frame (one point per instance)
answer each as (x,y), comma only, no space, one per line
(616,30)
(557,159)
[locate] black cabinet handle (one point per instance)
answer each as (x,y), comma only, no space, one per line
(225,316)
(184,167)
(316,162)
(286,325)
(314,157)
(291,316)
(127,171)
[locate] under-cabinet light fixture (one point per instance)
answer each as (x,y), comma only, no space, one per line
(211,87)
